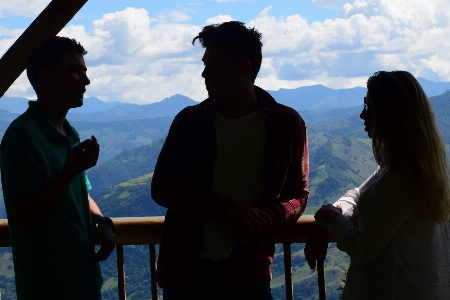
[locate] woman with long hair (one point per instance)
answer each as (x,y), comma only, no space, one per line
(401,249)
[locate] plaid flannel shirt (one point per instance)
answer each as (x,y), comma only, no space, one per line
(183,179)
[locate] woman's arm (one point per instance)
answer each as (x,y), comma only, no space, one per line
(391,207)
(348,203)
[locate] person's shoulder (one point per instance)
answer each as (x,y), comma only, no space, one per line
(397,183)
(193,111)
(289,115)
(290,112)
(270,104)
(21,125)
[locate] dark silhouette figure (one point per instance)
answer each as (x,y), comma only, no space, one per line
(51,216)
(400,250)
(233,169)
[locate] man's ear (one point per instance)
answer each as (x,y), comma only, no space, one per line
(44,77)
(245,66)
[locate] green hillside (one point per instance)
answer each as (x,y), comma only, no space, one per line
(116,136)
(130,199)
(340,158)
(337,165)
(340,164)
(441,107)
(129,164)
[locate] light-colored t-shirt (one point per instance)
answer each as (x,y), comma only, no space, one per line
(238,174)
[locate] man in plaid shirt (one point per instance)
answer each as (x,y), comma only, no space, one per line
(233,170)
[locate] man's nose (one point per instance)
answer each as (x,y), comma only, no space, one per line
(87,81)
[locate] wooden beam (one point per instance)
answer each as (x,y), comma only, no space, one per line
(49,23)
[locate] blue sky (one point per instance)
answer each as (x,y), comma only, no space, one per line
(139,51)
(198,11)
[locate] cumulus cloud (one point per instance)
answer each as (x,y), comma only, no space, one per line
(133,58)
(9,37)
(176,16)
(337,4)
(137,59)
(219,19)
(22,7)
(395,35)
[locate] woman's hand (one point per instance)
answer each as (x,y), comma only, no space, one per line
(327,213)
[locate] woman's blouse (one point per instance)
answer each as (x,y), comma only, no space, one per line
(397,252)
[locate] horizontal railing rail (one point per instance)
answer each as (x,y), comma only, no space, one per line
(148,231)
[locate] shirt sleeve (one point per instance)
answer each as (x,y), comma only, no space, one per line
(88,183)
(21,163)
(349,202)
(294,195)
(390,209)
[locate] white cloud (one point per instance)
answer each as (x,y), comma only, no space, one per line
(137,59)
(364,40)
(219,19)
(179,16)
(175,16)
(22,7)
(337,4)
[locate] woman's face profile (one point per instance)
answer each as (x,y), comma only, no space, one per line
(367,116)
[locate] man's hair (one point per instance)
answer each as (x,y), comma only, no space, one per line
(47,54)
(406,139)
(235,40)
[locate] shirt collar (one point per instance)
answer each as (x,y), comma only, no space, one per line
(48,127)
(267,102)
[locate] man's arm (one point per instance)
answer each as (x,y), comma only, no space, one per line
(103,235)
(25,209)
(294,195)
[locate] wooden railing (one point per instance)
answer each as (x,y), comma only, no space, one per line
(148,230)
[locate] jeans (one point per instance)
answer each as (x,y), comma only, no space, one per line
(210,284)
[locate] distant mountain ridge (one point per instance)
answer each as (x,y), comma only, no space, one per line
(18,105)
(305,98)
(168,107)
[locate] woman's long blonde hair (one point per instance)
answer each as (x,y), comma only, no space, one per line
(406,138)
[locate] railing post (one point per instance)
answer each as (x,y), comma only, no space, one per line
(154,285)
(121,285)
(321,279)
(288,271)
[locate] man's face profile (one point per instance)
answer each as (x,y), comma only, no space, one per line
(67,84)
(221,73)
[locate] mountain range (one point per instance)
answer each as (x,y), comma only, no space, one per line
(301,99)
(340,158)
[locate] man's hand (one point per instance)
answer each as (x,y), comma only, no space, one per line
(316,245)
(249,224)
(105,236)
(83,156)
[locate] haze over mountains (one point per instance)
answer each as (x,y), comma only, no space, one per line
(316,97)
(131,137)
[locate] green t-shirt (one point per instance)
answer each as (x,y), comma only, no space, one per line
(52,258)
(238,175)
